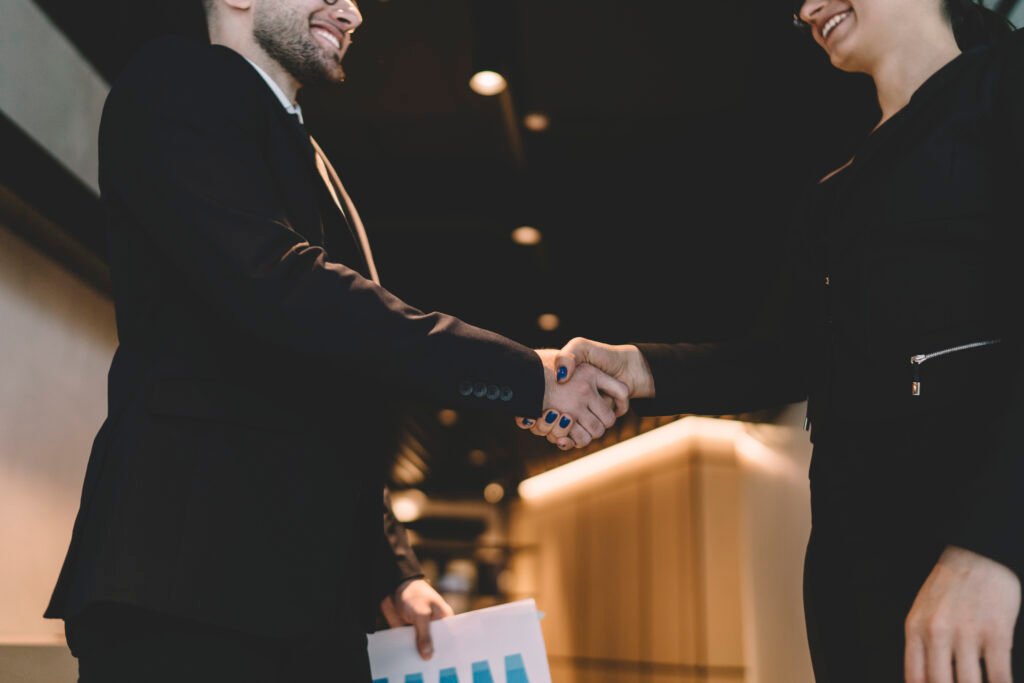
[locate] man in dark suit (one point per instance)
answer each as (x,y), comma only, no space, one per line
(232,526)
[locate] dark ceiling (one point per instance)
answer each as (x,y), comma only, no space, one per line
(680,135)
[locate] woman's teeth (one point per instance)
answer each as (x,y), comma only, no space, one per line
(329,37)
(833,22)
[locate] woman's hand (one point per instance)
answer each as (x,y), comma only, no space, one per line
(964,615)
(578,409)
(624,363)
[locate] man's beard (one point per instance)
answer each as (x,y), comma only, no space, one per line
(286,38)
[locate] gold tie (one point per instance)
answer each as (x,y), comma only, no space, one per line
(334,186)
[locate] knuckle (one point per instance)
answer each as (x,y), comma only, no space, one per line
(938,628)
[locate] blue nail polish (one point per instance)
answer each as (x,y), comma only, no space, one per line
(527,421)
(563,372)
(550,417)
(564,423)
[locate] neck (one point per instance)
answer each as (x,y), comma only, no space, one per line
(901,72)
(244,44)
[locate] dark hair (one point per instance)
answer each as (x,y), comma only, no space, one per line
(974,24)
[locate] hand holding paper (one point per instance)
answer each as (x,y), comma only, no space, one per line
(416,603)
(495,645)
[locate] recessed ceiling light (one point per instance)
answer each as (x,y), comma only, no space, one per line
(494,492)
(408,505)
(488,83)
(447,417)
(536,122)
(548,322)
(477,457)
(526,235)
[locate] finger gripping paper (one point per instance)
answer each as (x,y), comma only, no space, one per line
(495,645)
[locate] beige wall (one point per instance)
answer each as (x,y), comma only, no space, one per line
(682,565)
(56,340)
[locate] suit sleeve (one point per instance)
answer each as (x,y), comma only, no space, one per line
(765,368)
(990,517)
(395,561)
(185,157)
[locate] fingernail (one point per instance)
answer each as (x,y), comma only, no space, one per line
(550,417)
(563,372)
(527,421)
(565,422)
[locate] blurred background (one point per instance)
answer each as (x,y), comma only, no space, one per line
(626,173)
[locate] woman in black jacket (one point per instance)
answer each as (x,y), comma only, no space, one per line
(898,317)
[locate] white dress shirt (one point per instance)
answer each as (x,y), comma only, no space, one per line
(289,106)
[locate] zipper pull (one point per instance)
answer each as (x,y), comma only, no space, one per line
(916,361)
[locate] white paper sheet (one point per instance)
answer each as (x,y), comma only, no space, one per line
(500,644)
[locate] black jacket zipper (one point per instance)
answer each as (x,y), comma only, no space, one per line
(919,360)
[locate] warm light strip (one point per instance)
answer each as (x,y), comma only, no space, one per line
(663,441)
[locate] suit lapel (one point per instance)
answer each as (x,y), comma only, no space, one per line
(340,196)
(331,226)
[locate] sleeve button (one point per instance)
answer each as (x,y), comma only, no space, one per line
(479,389)
(506,394)
(466,388)
(493,392)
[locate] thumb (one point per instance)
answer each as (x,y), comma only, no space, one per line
(615,390)
(424,643)
(576,351)
(387,606)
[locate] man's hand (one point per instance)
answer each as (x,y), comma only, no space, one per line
(583,407)
(964,614)
(416,603)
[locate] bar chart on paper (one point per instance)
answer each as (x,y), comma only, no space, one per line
(495,645)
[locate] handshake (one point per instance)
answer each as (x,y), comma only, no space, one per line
(587,386)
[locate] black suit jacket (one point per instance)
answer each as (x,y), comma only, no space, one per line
(237,479)
(911,250)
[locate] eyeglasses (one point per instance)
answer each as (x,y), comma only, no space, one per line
(799,23)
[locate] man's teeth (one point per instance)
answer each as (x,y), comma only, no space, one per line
(329,37)
(833,22)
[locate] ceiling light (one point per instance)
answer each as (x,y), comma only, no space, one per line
(536,122)
(447,417)
(408,505)
(477,457)
(526,235)
(488,83)
(494,493)
(548,322)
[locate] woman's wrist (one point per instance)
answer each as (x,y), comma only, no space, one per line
(639,377)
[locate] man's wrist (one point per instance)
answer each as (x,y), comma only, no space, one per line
(547,362)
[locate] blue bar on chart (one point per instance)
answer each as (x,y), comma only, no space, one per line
(414,678)
(449,676)
(482,672)
(515,670)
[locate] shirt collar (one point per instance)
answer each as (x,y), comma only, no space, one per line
(289,106)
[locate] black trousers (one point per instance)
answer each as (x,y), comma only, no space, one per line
(122,644)
(881,493)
